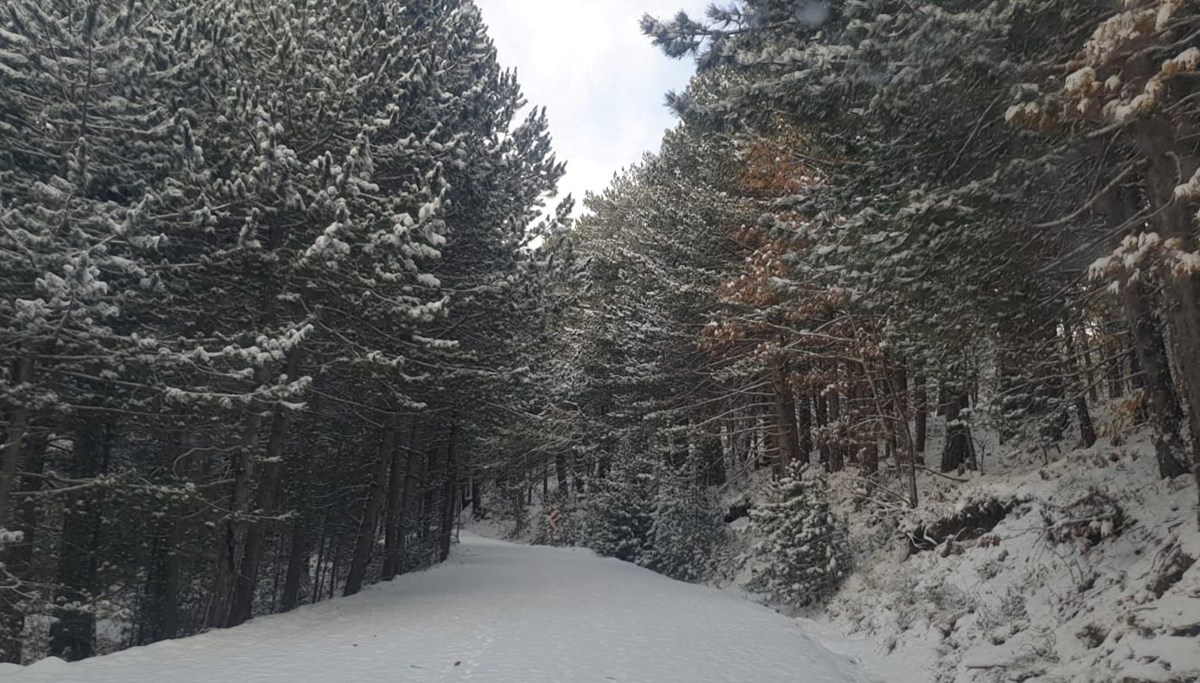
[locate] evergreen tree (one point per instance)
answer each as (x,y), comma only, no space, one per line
(258,260)
(802,557)
(686,531)
(618,514)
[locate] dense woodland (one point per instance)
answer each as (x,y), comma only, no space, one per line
(266,279)
(876,215)
(282,295)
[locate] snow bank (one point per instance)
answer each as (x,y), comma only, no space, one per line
(1090,577)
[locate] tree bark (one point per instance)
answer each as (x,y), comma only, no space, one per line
(710,458)
(957,449)
(560,476)
(787,446)
(402,465)
(1074,370)
(322,549)
(837,458)
(450,495)
(365,541)
(821,418)
(1170,165)
(477,497)
(804,421)
(920,413)
(1165,412)
(299,552)
(73,636)
(301,537)
(406,505)
(162,585)
(232,546)
(19,557)
(1113,372)
(1152,370)
(18,425)
(246,583)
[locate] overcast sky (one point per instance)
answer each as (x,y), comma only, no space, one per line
(600,79)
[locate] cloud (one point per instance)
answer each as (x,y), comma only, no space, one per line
(600,79)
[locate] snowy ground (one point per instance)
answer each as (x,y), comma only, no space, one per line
(1057,592)
(495,612)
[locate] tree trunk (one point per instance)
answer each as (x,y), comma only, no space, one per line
(301,537)
(403,460)
(895,393)
(787,446)
(710,458)
(160,606)
(821,418)
(1087,430)
(406,505)
(297,566)
(869,456)
(162,585)
(1073,370)
(1113,373)
(804,421)
(560,476)
(837,459)
(322,549)
(18,425)
(246,583)
(1171,165)
(1090,372)
(450,495)
(232,546)
(365,541)
(957,449)
(335,565)
(1152,370)
(73,636)
(19,557)
(1165,412)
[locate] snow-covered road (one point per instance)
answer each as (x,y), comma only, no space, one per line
(496,612)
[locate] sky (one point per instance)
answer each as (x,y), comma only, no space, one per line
(603,84)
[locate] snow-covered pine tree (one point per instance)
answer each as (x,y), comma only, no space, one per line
(912,239)
(803,556)
(686,531)
(91,97)
(618,512)
(239,321)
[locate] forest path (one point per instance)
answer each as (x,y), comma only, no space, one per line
(496,612)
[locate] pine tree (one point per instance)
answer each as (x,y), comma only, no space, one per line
(618,514)
(686,532)
(256,254)
(802,557)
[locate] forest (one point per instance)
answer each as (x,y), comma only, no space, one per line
(286,297)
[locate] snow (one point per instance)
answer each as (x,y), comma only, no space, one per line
(1019,603)
(494,612)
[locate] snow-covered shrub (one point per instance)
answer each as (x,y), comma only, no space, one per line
(1000,616)
(1087,521)
(685,532)
(803,553)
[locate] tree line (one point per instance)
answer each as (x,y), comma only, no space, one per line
(266,277)
(878,220)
